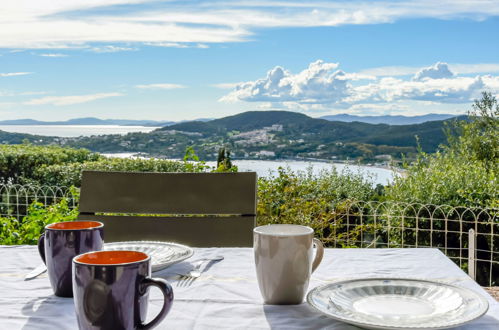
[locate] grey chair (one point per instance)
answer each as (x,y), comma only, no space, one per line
(197,209)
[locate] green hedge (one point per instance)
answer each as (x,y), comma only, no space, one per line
(317,201)
(18,163)
(70,174)
(57,166)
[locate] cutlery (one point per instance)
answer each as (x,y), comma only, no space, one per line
(187,279)
(36,272)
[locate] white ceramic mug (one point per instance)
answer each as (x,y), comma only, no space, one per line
(284,261)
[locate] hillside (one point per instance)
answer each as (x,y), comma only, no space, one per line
(390,120)
(321,130)
(87,121)
(266,134)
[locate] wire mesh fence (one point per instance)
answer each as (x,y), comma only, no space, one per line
(359,224)
(405,225)
(15,199)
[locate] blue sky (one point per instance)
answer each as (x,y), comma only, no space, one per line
(175,60)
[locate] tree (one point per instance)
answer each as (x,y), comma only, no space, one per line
(480,136)
(462,173)
(224,163)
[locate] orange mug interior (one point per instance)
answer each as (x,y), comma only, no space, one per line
(75,225)
(111,257)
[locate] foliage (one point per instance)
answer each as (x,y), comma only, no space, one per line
(27,231)
(70,174)
(18,163)
(311,200)
(479,138)
(446,178)
(464,173)
(190,155)
(224,163)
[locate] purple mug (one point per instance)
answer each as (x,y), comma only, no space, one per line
(111,290)
(60,243)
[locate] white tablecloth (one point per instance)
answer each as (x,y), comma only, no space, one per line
(227,294)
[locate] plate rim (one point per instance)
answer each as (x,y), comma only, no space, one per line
(394,327)
(190,251)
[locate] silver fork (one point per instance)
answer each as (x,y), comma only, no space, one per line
(187,279)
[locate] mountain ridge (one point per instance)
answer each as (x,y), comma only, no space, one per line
(389,119)
(266,134)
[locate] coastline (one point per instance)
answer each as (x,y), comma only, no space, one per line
(297,159)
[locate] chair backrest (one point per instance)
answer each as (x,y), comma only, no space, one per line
(197,209)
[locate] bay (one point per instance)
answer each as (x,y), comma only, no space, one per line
(74,130)
(268,168)
(379,175)
(264,168)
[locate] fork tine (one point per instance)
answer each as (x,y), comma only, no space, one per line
(189,281)
(181,280)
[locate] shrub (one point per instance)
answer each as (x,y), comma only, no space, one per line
(447,178)
(27,231)
(70,174)
(464,173)
(18,163)
(311,200)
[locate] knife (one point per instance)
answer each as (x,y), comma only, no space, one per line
(36,272)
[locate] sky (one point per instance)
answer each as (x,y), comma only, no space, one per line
(182,60)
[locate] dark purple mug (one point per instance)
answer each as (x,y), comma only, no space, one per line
(111,290)
(63,241)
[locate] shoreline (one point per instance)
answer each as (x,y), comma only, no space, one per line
(299,159)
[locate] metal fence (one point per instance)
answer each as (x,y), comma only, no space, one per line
(468,236)
(15,199)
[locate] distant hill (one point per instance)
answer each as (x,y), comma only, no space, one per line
(18,138)
(265,134)
(296,125)
(390,120)
(96,121)
(88,121)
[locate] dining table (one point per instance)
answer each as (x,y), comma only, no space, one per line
(226,295)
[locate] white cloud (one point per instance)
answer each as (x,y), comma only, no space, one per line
(160,86)
(71,99)
(323,86)
(13,74)
(437,71)
(450,90)
(475,68)
(6,105)
(112,49)
(76,23)
(318,83)
(6,93)
(176,45)
(457,68)
(52,55)
(385,71)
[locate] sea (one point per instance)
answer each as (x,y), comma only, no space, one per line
(266,168)
(74,130)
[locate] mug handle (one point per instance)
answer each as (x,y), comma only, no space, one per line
(167,291)
(41,247)
(319,253)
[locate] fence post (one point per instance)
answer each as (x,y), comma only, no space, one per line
(472,254)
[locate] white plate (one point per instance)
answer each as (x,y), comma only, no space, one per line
(163,254)
(389,303)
